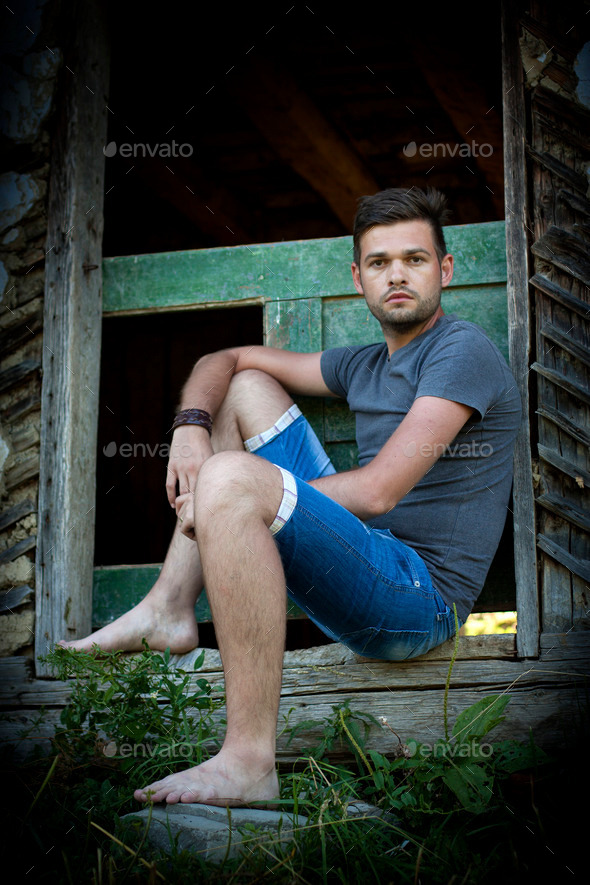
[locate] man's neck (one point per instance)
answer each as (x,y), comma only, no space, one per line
(395,341)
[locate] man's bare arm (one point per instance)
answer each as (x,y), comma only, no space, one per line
(431,424)
(206,388)
(299,373)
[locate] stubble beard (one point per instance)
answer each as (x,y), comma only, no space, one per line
(405,319)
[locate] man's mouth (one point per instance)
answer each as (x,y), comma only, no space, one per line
(397,296)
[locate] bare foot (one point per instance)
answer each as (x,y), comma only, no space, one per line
(162,626)
(226,779)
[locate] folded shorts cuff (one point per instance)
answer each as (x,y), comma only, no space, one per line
(288,501)
(261,439)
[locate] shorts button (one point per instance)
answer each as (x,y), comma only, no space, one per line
(416,583)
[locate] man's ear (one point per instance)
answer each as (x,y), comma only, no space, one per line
(356,278)
(446,270)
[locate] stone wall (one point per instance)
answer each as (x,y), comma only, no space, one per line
(31,61)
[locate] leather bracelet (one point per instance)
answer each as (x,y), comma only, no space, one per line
(198,417)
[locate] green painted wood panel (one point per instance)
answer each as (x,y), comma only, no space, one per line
(348,321)
(275,271)
(310,304)
(116,589)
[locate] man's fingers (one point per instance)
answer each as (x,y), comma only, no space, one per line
(185,515)
(180,502)
(171,487)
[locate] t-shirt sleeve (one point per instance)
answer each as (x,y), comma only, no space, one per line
(464,367)
(335,365)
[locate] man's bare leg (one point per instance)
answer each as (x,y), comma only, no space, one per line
(165,617)
(239,496)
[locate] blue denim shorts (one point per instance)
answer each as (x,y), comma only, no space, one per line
(361,586)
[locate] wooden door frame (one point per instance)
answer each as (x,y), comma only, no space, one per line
(72,335)
(519,330)
(72,325)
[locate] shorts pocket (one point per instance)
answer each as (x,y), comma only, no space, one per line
(389,645)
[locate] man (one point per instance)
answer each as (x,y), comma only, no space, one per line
(378,555)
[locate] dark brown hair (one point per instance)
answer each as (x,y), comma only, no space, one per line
(396,204)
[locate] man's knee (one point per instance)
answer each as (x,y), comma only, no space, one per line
(235,480)
(254,389)
(247,384)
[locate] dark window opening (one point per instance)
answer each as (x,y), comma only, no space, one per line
(145,361)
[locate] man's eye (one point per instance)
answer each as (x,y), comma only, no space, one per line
(377,262)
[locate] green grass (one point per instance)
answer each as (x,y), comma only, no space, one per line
(464,810)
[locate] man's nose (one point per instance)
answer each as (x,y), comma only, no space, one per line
(397,273)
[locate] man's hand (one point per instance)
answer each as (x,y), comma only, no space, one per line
(185,513)
(190,448)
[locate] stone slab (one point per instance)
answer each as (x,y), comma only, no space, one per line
(216,833)
(207,829)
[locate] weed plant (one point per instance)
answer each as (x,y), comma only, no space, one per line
(461,810)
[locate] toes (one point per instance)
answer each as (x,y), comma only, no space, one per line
(188,795)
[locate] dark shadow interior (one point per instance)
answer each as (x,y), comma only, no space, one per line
(146,360)
(259,125)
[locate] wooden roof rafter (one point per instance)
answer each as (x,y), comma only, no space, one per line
(303,137)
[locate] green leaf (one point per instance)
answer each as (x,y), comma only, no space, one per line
(512,756)
(379,760)
(378,779)
(481,717)
(471,784)
(109,694)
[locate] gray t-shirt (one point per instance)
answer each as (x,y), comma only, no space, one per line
(454,517)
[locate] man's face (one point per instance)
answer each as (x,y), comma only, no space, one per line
(400,275)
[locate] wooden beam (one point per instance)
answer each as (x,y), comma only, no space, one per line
(519,330)
(410,694)
(304,138)
(71,338)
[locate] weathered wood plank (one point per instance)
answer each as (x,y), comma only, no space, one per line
(565,251)
(574,348)
(370,676)
(562,381)
(545,695)
(21,408)
(15,375)
(551,164)
(13,514)
(574,470)
(334,669)
(519,328)
(22,471)
(570,646)
(551,713)
(558,293)
(15,597)
(576,431)
(276,271)
(11,553)
(71,338)
(562,507)
(580,567)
